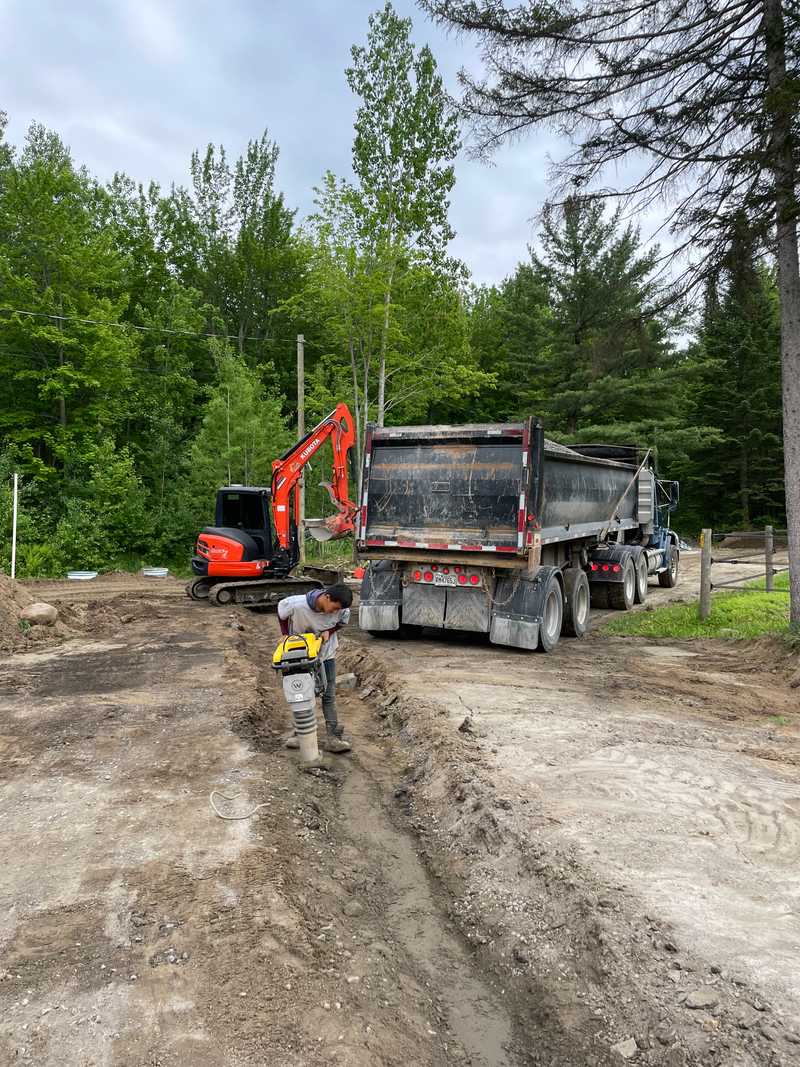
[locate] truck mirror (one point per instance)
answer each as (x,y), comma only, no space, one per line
(674,495)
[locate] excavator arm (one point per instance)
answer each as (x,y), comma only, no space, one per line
(286,473)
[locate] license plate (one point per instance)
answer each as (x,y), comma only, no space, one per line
(445,579)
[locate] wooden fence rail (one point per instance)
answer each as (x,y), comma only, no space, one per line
(767,554)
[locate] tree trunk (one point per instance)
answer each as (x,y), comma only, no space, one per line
(785,179)
(62,403)
(744,488)
(387,299)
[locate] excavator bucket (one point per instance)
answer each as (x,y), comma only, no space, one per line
(329,529)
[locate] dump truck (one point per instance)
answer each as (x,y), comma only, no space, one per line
(495,529)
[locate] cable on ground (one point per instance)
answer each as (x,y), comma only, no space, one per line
(226,796)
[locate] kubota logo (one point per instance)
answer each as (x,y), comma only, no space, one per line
(309,448)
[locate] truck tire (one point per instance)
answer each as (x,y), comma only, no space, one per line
(641,579)
(576,602)
(552,615)
(668,578)
(621,595)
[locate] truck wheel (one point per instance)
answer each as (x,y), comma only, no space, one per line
(621,595)
(668,578)
(552,616)
(641,579)
(576,602)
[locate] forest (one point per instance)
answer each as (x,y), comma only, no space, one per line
(148,335)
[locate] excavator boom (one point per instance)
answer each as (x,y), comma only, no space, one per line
(286,473)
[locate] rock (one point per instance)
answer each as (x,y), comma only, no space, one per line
(520,955)
(627,1049)
(346,681)
(666,1035)
(702,998)
(39,614)
(791,1037)
(466,726)
(353,908)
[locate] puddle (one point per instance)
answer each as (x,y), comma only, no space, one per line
(476,1016)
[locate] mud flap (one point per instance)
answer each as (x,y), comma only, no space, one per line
(518,606)
(467,609)
(423,605)
(381,596)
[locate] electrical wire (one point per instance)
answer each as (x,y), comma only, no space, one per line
(232,818)
(143,329)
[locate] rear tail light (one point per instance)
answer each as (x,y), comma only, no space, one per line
(445,570)
(606,567)
(595,566)
(616,568)
(474,579)
(462,579)
(457,570)
(428,576)
(434,567)
(417,575)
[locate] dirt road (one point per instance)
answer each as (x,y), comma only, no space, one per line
(138,928)
(528,859)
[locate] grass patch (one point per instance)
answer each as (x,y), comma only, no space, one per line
(733,615)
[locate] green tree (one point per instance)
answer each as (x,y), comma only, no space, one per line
(406,138)
(241,431)
(230,238)
(739,391)
(65,369)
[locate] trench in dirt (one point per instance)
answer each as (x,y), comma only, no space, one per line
(415,914)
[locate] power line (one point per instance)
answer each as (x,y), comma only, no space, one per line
(143,329)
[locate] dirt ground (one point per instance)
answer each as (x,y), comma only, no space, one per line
(583,858)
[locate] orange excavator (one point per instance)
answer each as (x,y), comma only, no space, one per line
(248,556)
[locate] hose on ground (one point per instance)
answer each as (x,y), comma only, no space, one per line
(226,796)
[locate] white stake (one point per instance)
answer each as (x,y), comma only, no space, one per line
(14,533)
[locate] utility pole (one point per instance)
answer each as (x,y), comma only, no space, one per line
(301,432)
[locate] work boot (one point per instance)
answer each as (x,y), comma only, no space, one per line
(332,743)
(292,741)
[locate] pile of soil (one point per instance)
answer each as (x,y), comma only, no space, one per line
(13,598)
(14,636)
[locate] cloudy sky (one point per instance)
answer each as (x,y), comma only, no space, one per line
(135,85)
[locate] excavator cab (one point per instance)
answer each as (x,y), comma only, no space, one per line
(246,509)
(241,544)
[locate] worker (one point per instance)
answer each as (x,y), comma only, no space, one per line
(323,612)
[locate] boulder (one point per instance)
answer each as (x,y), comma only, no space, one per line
(39,614)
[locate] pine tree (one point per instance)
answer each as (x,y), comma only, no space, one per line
(740,391)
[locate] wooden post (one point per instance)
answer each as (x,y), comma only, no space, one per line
(301,432)
(14,530)
(769,549)
(705,574)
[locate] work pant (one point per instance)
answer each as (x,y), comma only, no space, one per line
(329,699)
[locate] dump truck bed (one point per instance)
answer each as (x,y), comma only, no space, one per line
(488,488)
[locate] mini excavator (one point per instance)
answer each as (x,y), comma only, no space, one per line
(248,556)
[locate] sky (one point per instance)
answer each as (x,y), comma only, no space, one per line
(136,85)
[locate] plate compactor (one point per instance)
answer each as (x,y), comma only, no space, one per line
(297,659)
